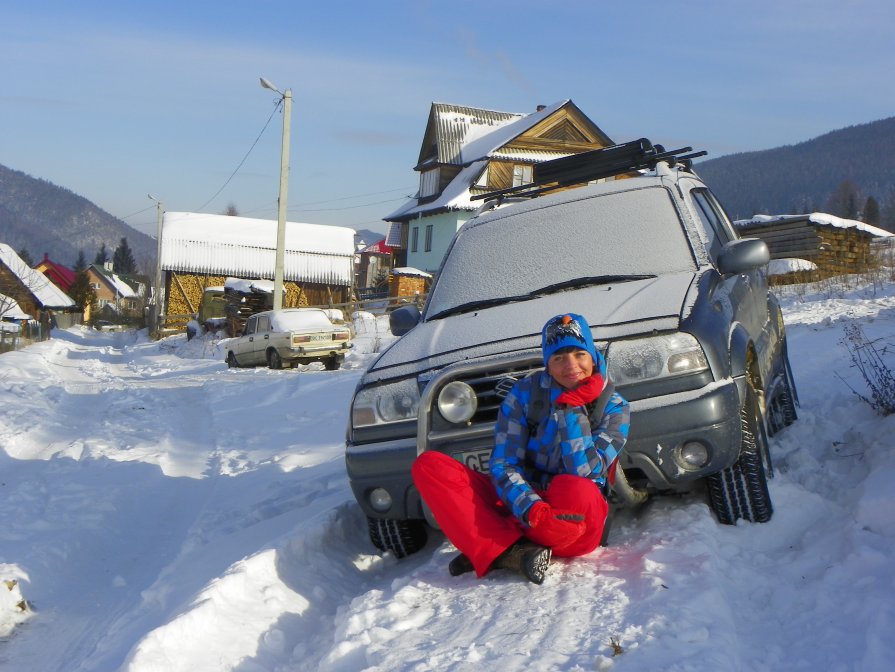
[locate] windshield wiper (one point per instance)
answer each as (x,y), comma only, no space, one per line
(587,281)
(469,306)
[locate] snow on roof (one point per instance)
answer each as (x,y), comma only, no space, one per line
(121,287)
(242,246)
(480,143)
(9,309)
(821,218)
(456,195)
(409,270)
(485,145)
(47,294)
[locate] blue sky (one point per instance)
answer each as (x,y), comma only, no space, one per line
(118,100)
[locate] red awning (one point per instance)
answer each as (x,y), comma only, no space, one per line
(377,248)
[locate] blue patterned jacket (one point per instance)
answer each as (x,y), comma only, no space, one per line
(564,443)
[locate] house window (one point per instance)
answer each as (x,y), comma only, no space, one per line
(429,183)
(414,238)
(521,175)
(429,237)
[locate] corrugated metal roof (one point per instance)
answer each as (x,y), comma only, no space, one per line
(533,155)
(457,125)
(393,237)
(244,247)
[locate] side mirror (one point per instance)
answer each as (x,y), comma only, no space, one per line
(404,319)
(742,256)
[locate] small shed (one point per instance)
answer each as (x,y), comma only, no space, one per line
(200,250)
(407,281)
(834,245)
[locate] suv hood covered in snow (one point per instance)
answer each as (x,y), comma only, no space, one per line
(614,311)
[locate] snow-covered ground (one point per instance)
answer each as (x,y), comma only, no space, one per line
(160,512)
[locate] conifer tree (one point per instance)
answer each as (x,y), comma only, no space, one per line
(871,212)
(102,256)
(81,291)
(81,262)
(26,257)
(123,259)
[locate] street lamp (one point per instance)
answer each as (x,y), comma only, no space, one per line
(160,208)
(284,187)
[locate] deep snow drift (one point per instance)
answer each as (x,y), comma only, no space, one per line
(159,511)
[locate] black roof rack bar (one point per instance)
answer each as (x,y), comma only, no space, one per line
(593,165)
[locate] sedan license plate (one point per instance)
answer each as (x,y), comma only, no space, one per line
(477,460)
(319,337)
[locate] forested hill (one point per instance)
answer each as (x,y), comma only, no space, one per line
(800,178)
(41,217)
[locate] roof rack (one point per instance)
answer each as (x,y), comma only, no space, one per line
(596,164)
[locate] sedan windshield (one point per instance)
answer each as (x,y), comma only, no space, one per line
(527,250)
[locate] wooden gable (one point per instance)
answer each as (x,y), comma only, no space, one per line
(566,131)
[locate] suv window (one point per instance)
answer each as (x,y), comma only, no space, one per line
(712,221)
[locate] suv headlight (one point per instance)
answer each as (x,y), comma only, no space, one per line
(656,357)
(382,404)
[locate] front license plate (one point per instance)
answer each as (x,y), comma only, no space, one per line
(477,460)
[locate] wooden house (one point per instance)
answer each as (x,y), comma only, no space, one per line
(120,298)
(833,245)
(30,290)
(201,250)
(468,151)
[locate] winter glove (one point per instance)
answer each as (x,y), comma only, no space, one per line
(551,527)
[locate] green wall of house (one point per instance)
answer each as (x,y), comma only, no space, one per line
(444,226)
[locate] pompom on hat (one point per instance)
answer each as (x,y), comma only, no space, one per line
(567,331)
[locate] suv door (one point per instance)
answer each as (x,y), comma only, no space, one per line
(748,291)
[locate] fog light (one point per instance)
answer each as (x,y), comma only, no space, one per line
(380,500)
(693,455)
(457,402)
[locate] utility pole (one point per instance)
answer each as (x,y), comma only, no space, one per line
(284,188)
(157,307)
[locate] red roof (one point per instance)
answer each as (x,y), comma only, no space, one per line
(60,275)
(377,248)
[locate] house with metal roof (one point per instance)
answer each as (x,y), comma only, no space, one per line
(60,275)
(468,151)
(200,250)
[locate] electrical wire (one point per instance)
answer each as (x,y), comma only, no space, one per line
(266,124)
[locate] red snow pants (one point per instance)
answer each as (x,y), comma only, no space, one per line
(466,507)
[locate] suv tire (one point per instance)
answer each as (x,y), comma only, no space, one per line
(401,537)
(741,490)
(782,407)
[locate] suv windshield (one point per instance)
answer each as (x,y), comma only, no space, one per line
(610,238)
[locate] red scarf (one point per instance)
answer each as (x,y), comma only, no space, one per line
(585,393)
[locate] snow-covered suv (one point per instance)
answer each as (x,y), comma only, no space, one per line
(678,303)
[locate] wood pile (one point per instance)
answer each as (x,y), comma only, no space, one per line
(834,249)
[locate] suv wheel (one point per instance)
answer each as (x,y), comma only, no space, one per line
(401,537)
(741,490)
(782,407)
(274,361)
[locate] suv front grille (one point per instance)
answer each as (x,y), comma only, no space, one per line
(491,388)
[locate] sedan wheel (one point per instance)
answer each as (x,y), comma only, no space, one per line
(231,360)
(274,360)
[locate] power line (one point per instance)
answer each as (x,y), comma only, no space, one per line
(266,124)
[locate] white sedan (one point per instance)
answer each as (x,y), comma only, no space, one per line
(284,338)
